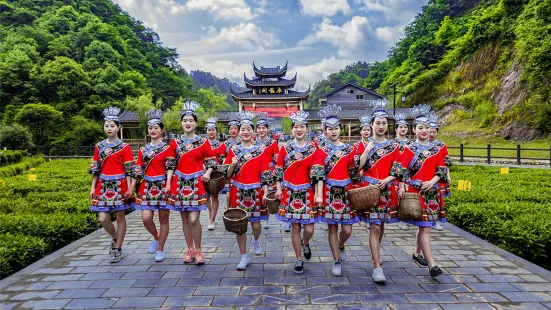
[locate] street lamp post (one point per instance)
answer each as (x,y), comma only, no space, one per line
(394,84)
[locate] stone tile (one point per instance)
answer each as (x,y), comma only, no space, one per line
(53,270)
(65,277)
(335,299)
(260,290)
(69,285)
(362,306)
(92,269)
(492,287)
(354,289)
(133,302)
(171,291)
(327,280)
(181,274)
(240,281)
(243,300)
(113,283)
(36,295)
(217,290)
(431,298)
(533,287)
(91,303)
(82,293)
(285,281)
(154,283)
(382,298)
(29,287)
(103,276)
(203,301)
(284,299)
(414,306)
(400,288)
(199,282)
(143,275)
(472,270)
(500,278)
(467,307)
(526,296)
(127,292)
(46,304)
(480,297)
(445,288)
(8,305)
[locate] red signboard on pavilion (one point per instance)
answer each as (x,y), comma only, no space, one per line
(273,111)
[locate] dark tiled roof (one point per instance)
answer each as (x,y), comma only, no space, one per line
(128,117)
(270,71)
(291,94)
(356,86)
(280,82)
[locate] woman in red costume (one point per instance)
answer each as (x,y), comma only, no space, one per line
(190,155)
(112,169)
(380,162)
(218,148)
(248,166)
(338,158)
(299,168)
(151,168)
(426,167)
(401,127)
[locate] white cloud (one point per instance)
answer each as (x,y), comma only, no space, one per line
(220,9)
(404,10)
(220,68)
(346,38)
(310,74)
(324,7)
(390,35)
(242,37)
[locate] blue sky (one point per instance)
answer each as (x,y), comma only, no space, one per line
(317,37)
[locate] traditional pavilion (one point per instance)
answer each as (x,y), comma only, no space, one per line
(269,91)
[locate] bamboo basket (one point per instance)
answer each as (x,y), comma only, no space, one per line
(236,220)
(410,207)
(365,198)
(216,183)
(272,203)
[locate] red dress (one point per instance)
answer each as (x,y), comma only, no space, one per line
(339,162)
(112,162)
(223,153)
(296,169)
(423,163)
(271,150)
(189,158)
(251,172)
(382,161)
(151,167)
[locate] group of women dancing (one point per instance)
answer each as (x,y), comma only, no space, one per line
(310,178)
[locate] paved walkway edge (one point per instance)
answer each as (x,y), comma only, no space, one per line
(544,273)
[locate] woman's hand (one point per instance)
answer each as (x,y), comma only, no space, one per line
(264,198)
(278,194)
(319,200)
(369,147)
(382,184)
(206,177)
(92,193)
(401,192)
(426,186)
(128,193)
(167,188)
(234,161)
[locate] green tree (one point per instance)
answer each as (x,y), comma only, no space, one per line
(43,121)
(80,131)
(15,137)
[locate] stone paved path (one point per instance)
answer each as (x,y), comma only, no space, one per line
(476,276)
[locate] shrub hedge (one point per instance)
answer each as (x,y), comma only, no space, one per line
(19,168)
(19,251)
(11,157)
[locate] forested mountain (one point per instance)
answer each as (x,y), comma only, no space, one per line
(483,61)
(62,62)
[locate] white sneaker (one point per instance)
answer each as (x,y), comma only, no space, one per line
(287,227)
(211,226)
(257,248)
(337,268)
(245,261)
(403,225)
(439,226)
(160,256)
(266,224)
(117,256)
(342,254)
(378,276)
(153,246)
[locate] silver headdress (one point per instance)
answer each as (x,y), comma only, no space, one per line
(365,121)
(154,117)
(189,107)
(211,122)
(331,115)
(263,119)
(401,119)
(234,119)
(420,114)
(246,118)
(433,120)
(379,108)
(111,114)
(299,117)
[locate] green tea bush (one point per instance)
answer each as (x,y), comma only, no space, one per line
(19,251)
(19,168)
(11,157)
